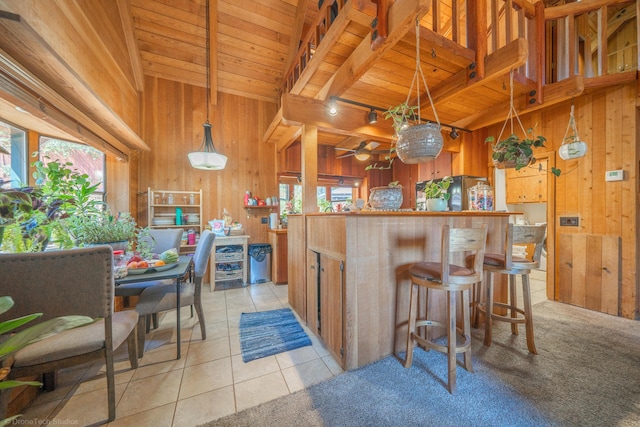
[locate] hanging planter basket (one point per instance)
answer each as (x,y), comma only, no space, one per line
(512,163)
(419,143)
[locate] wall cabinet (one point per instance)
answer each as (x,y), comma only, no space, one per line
(528,185)
(164,206)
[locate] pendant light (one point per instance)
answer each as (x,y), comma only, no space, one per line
(207,158)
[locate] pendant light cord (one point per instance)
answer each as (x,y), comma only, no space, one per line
(207,59)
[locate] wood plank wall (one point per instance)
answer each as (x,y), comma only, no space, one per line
(606,121)
(173,114)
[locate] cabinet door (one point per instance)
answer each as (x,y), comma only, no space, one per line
(331,320)
(297,288)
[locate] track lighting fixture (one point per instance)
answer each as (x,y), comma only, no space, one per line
(372,117)
(333,107)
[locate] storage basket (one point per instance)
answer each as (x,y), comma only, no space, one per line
(228,275)
(229,256)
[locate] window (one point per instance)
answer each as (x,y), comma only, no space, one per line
(14,164)
(85,159)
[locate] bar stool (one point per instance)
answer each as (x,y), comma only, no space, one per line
(512,265)
(451,278)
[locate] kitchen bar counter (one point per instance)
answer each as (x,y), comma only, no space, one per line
(353,289)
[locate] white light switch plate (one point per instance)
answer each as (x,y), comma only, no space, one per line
(617,175)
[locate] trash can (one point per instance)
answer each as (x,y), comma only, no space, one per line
(259,263)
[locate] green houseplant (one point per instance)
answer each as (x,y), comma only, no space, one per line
(516,152)
(28,219)
(103,228)
(19,340)
(437,195)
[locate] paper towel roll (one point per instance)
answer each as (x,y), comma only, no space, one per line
(273,221)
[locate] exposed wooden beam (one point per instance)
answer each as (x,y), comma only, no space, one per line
(289,137)
(124,7)
(578,8)
(402,15)
(299,110)
(497,64)
(296,34)
(553,94)
(18,35)
(349,13)
(52,109)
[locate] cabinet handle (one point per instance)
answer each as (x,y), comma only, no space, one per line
(606,269)
(570,265)
(313,267)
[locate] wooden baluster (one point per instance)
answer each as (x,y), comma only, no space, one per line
(495,25)
(455,28)
(603,62)
(435,16)
(508,21)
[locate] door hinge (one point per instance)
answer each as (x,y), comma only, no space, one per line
(342,351)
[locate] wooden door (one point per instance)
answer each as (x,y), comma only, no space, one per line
(589,271)
(331,321)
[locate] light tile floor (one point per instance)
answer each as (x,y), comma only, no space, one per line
(209,381)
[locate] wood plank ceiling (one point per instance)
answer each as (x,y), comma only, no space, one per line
(250,41)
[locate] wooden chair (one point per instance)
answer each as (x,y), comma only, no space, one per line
(160,298)
(512,265)
(66,282)
(451,278)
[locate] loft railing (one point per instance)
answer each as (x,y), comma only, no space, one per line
(593,39)
(327,14)
(577,38)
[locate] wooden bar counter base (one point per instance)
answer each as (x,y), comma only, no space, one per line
(348,277)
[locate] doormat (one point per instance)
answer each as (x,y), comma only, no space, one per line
(265,333)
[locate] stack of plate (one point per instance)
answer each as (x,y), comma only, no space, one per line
(163,221)
(193,219)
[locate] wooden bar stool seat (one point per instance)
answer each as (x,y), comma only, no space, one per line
(512,265)
(450,278)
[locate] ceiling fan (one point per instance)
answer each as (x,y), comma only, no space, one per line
(363,152)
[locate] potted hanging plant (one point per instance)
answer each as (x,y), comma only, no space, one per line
(516,152)
(437,195)
(513,151)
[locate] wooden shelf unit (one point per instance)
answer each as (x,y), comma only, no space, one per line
(159,207)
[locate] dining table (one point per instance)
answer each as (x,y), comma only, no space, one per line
(176,273)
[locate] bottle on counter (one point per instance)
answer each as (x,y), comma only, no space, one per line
(247,196)
(170,199)
(178,216)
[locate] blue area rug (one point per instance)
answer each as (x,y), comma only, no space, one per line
(266,333)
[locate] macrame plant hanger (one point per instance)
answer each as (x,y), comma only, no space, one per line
(512,112)
(421,142)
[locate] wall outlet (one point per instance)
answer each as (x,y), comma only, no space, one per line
(617,175)
(264,220)
(571,221)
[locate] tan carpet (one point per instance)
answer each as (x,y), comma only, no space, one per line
(587,373)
